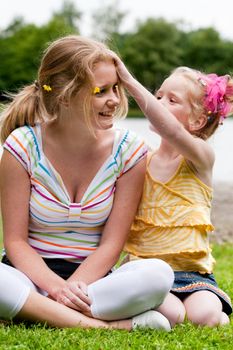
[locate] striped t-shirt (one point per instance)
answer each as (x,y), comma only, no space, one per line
(59,228)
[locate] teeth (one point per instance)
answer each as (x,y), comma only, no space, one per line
(106,114)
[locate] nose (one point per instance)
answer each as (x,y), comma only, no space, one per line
(113,99)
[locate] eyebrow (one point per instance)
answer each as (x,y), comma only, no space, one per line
(175,94)
(107,86)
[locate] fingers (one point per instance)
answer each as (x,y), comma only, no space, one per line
(74,295)
(75,303)
(79,289)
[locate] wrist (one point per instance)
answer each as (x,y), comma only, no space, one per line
(55,287)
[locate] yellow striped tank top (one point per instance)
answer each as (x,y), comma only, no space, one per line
(173,221)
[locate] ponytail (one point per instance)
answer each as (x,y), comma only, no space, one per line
(26,108)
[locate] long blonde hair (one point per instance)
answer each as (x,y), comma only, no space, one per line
(66,67)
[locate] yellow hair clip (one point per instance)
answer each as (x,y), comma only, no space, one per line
(96,90)
(47,88)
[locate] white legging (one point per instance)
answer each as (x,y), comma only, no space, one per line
(131,289)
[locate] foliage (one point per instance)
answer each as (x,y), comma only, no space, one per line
(151,50)
(21,46)
(204,49)
(106,21)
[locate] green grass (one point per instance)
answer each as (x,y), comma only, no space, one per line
(186,336)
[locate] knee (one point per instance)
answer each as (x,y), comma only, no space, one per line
(210,318)
(158,277)
(173,310)
(176,316)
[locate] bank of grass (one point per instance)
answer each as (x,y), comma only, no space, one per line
(25,336)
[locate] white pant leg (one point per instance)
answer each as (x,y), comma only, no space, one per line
(14,290)
(131,289)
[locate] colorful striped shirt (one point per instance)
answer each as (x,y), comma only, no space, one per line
(173,221)
(59,228)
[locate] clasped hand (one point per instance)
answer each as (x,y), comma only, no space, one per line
(74,295)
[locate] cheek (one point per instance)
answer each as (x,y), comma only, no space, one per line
(98,103)
(95,106)
(180,111)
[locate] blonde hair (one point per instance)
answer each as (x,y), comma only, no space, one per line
(66,67)
(196,96)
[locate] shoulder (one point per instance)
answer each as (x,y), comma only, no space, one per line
(125,138)
(204,156)
(129,148)
(22,144)
(23,134)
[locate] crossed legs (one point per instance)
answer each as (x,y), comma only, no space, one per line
(130,290)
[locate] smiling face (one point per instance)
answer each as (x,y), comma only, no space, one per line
(106,96)
(173,94)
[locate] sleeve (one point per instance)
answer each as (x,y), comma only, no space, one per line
(20,143)
(130,151)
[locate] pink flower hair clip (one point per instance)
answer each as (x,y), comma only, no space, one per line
(215,97)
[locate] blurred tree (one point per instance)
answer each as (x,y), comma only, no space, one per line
(69,16)
(152,51)
(201,48)
(107,21)
(21,45)
(205,50)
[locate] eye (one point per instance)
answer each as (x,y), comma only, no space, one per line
(172,100)
(99,91)
(158,97)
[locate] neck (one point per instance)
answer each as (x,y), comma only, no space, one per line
(72,132)
(167,151)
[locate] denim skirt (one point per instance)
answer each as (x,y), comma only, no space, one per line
(189,282)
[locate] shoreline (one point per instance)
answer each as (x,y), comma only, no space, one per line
(222,213)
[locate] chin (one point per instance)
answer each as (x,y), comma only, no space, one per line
(104,126)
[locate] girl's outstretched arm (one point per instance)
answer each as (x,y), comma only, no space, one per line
(165,123)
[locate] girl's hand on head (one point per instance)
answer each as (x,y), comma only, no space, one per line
(74,295)
(123,73)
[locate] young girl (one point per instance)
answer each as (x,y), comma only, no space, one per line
(173,219)
(66,178)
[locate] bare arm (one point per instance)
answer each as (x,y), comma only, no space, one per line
(194,149)
(15,195)
(126,200)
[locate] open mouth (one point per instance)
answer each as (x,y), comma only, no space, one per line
(106,114)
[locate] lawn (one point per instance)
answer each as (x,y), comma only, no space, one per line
(186,337)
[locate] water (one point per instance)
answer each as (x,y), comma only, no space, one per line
(221,141)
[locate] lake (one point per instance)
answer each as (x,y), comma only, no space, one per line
(222,142)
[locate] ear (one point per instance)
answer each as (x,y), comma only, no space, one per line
(198,124)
